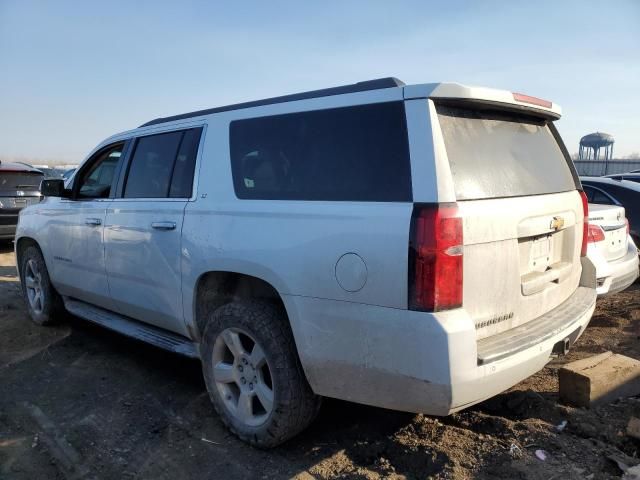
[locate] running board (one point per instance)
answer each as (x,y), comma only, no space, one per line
(132,328)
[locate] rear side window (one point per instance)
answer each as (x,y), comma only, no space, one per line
(162,165)
(344,154)
(496,154)
(596,196)
(183,170)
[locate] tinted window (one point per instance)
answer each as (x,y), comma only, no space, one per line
(163,165)
(630,199)
(599,197)
(151,166)
(588,192)
(182,179)
(96,181)
(351,154)
(494,154)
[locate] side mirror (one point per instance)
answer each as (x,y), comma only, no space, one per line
(54,187)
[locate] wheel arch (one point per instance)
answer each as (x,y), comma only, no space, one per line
(217,288)
(22,244)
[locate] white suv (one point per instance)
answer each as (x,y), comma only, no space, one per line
(418,248)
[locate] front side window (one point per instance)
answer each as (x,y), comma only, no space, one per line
(97,180)
(343,154)
(162,165)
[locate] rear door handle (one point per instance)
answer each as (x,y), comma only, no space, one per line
(164,225)
(93,221)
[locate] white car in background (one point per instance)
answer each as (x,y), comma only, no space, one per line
(611,248)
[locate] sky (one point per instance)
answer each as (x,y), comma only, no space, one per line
(73,73)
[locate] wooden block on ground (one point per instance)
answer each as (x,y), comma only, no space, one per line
(599,379)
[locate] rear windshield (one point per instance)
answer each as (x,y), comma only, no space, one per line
(496,154)
(10,182)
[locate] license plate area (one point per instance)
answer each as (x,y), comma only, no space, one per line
(540,253)
(616,240)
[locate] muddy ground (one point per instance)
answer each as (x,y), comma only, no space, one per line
(77,401)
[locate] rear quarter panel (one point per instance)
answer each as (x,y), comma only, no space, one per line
(293,245)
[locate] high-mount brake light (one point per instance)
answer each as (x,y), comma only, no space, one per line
(585,228)
(521,97)
(435,256)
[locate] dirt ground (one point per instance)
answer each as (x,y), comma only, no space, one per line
(77,401)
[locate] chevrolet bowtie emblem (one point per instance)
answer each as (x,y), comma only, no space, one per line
(557,223)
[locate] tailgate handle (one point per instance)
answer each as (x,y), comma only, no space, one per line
(534,282)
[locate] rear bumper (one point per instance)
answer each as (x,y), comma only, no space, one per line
(421,362)
(508,358)
(615,276)
(7,232)
(8,222)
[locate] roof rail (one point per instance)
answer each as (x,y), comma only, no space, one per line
(377,84)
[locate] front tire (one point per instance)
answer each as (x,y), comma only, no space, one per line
(253,374)
(43,302)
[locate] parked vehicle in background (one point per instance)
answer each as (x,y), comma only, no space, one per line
(631,177)
(52,172)
(624,193)
(611,248)
(419,248)
(19,187)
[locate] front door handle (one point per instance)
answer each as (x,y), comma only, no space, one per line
(93,221)
(164,225)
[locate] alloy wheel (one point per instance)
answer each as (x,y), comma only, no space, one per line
(243,377)
(33,284)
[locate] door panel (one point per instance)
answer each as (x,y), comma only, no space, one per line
(142,251)
(77,229)
(78,251)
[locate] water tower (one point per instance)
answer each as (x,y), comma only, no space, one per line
(591,145)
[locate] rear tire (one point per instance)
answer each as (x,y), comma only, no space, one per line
(253,374)
(44,305)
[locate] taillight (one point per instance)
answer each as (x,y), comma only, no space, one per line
(596,234)
(585,228)
(435,256)
(626,221)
